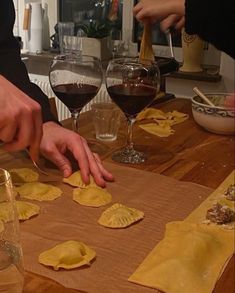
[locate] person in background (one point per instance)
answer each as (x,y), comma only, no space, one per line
(213,22)
(25,116)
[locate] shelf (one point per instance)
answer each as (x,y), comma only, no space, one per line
(209,74)
(39,64)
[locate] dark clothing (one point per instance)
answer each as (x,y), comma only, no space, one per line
(11,66)
(213,21)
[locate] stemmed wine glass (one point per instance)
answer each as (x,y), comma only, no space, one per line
(132,85)
(75,80)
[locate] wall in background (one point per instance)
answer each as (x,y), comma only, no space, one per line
(179,87)
(16,26)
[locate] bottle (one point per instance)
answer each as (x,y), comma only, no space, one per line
(35,28)
(45,28)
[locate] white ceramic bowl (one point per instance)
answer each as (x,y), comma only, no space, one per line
(214,119)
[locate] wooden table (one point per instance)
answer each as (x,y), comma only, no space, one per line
(191,154)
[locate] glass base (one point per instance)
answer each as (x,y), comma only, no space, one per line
(129,156)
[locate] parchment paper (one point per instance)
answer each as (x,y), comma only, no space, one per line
(119,251)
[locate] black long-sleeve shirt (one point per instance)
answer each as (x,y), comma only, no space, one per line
(213,21)
(11,66)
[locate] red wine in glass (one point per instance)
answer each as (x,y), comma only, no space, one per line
(75,96)
(132,85)
(132,99)
(75,80)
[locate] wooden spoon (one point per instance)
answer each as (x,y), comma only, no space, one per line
(146,49)
(201,95)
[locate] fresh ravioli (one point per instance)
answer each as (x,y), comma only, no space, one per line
(120,216)
(21,175)
(92,196)
(39,191)
(25,210)
(68,255)
(75,180)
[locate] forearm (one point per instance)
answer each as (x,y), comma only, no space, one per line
(13,69)
(11,66)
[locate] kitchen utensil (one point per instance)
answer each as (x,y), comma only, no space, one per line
(201,95)
(37,165)
(26,28)
(146,49)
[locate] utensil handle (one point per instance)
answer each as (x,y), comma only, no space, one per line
(201,95)
(146,48)
(26,18)
(169,41)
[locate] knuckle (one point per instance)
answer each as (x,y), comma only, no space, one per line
(37,107)
(48,150)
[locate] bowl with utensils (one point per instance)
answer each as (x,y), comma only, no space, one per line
(219,116)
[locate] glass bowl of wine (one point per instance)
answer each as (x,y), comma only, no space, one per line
(133,85)
(75,80)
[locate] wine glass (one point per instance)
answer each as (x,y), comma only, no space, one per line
(116,42)
(132,85)
(11,259)
(75,80)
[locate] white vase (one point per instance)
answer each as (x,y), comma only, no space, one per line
(192,47)
(35,28)
(45,28)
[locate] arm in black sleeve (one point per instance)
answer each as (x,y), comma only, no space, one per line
(11,66)
(213,21)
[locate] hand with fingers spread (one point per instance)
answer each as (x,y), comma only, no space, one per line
(20,119)
(56,141)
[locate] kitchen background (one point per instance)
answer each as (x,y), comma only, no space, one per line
(79,9)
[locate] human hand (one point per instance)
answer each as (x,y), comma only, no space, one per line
(172,21)
(20,120)
(158,10)
(57,140)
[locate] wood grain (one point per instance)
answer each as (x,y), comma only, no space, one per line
(190,154)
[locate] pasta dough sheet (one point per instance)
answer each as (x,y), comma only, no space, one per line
(192,254)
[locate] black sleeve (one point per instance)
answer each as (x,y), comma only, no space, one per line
(11,66)
(213,21)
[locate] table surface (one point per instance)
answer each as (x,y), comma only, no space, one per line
(191,154)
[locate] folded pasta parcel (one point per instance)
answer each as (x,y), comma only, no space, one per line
(68,255)
(75,180)
(21,175)
(92,196)
(25,210)
(39,191)
(120,216)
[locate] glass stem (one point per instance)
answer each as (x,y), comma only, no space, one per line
(130,143)
(75,117)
